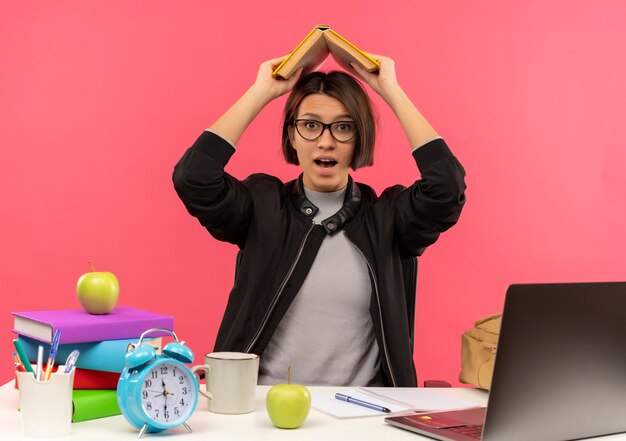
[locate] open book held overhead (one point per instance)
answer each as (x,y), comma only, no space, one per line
(315,48)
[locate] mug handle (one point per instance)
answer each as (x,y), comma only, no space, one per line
(207,370)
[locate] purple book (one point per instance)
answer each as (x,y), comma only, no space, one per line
(78,326)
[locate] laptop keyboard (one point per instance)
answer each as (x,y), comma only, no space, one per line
(471,431)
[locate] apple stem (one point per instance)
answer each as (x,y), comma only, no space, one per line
(91,265)
(289,375)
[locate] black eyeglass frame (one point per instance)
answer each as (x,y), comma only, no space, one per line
(324,127)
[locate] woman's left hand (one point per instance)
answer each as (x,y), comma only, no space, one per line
(417,129)
(382,82)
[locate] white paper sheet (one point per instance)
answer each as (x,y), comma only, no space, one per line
(395,399)
(426,399)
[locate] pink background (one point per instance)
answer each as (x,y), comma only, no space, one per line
(98,100)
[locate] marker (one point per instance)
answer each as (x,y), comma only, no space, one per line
(372,406)
(71,360)
(54,347)
(22,355)
(39,363)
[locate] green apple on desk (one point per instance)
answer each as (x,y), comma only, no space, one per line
(288,404)
(97,291)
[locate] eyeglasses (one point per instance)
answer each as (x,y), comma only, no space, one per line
(310,129)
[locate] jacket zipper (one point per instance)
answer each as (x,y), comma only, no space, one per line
(380,312)
(279,292)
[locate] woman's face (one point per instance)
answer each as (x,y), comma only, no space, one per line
(325,161)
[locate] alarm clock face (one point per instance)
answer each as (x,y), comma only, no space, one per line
(168,393)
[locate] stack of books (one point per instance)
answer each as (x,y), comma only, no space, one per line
(102,341)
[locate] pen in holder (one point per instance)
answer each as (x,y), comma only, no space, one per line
(46,406)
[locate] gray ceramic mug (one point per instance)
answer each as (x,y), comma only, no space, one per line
(231,379)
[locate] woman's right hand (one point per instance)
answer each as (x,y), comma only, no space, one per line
(234,122)
(270,87)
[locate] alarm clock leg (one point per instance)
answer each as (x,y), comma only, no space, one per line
(143,430)
(187,427)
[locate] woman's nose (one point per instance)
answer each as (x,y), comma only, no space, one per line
(326,138)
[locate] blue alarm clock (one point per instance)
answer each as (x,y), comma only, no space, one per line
(157,392)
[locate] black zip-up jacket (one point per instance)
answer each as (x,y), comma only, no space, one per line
(271,222)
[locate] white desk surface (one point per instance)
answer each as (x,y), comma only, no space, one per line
(252,426)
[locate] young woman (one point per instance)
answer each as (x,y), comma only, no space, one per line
(318,283)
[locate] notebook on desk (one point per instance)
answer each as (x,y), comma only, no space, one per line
(560,371)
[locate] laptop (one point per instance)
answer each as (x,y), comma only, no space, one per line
(560,370)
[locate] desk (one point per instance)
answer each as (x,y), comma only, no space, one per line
(252,426)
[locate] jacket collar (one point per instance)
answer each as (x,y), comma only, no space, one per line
(351,204)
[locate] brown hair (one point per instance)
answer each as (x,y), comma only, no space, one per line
(350,93)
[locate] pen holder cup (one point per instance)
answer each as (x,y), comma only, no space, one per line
(46,407)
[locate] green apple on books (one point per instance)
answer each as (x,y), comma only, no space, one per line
(97,291)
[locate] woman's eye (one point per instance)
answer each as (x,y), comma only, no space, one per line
(345,127)
(311,125)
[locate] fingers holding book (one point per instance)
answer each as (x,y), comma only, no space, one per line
(270,86)
(383,81)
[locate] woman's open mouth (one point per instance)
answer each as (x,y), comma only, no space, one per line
(325,163)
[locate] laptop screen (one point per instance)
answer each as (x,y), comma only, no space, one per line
(560,369)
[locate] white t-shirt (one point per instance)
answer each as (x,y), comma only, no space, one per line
(326,335)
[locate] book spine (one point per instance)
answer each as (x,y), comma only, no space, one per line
(82,334)
(93,404)
(90,379)
(108,355)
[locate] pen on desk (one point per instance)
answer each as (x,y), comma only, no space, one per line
(23,358)
(71,360)
(352,400)
(54,347)
(39,363)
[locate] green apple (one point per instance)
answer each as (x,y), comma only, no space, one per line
(288,404)
(98,291)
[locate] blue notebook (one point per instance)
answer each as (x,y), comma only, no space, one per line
(107,355)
